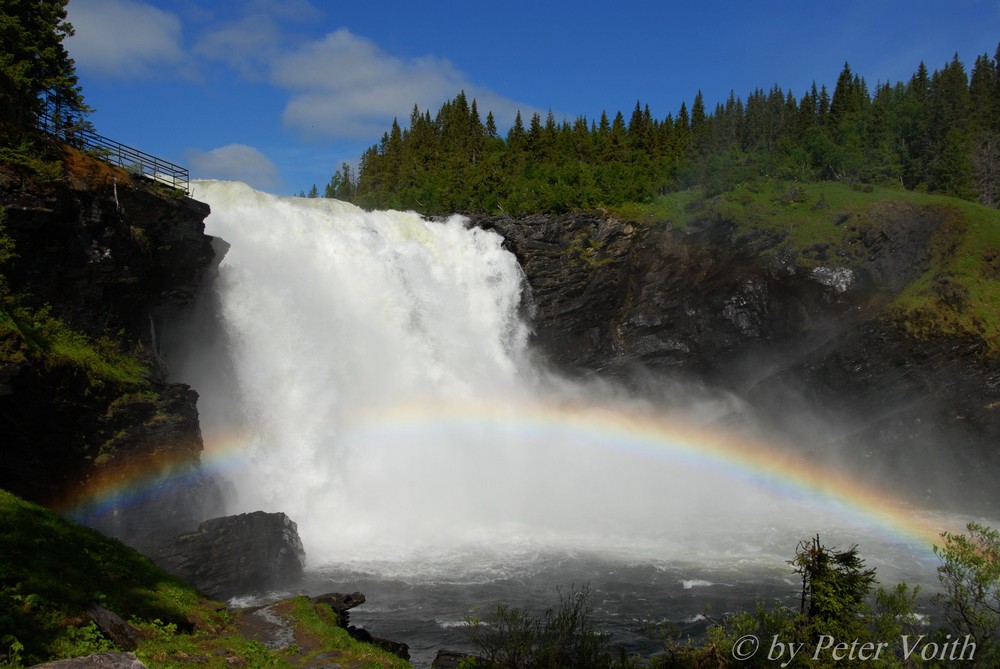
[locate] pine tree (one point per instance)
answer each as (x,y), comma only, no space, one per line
(516,134)
(835,587)
(34,63)
(491,126)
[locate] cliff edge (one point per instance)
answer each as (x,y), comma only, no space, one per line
(96,262)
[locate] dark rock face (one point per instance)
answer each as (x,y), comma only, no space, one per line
(110,256)
(152,450)
(237,555)
(810,353)
(578,272)
(109,259)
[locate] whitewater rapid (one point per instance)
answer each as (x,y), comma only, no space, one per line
(369,374)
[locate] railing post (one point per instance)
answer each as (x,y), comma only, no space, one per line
(110,150)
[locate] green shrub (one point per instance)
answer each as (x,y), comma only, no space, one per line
(564,636)
(970,574)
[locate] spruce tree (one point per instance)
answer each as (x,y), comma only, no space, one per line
(34,63)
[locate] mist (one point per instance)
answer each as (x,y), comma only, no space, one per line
(370,375)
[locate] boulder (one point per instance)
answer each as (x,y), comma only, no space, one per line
(113,627)
(237,555)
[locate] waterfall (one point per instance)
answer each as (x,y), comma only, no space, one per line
(369,374)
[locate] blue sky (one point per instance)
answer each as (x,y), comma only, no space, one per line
(278,93)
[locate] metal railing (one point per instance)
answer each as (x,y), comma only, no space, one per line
(64,127)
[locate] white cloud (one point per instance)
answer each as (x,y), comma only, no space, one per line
(234,162)
(244,44)
(339,86)
(122,38)
(248,42)
(345,85)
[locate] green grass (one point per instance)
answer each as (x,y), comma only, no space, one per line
(320,621)
(51,569)
(42,337)
(958,294)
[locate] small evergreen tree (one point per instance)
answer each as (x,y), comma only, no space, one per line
(835,587)
(835,602)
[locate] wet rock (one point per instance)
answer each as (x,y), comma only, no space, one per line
(452,659)
(341,603)
(235,555)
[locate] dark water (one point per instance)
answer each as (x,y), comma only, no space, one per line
(427,605)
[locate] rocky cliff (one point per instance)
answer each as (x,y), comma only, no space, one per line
(801,341)
(100,262)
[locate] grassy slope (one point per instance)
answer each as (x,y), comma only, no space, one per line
(958,295)
(52,568)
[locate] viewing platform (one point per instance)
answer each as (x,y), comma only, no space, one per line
(66,128)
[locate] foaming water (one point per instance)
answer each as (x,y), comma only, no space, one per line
(369,375)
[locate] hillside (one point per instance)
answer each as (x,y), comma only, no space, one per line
(53,572)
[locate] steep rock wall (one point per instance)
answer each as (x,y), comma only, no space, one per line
(809,349)
(101,263)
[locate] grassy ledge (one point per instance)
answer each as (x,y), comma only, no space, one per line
(51,569)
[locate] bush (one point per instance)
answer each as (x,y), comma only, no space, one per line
(835,607)
(970,574)
(564,637)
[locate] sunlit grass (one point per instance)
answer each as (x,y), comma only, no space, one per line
(957,295)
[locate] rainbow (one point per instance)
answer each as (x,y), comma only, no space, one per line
(728,454)
(642,433)
(132,484)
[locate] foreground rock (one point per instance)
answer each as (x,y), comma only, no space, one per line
(96,661)
(113,627)
(237,555)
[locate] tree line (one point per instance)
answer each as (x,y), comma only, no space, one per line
(938,132)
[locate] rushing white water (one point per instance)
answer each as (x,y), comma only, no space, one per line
(369,374)
(370,378)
